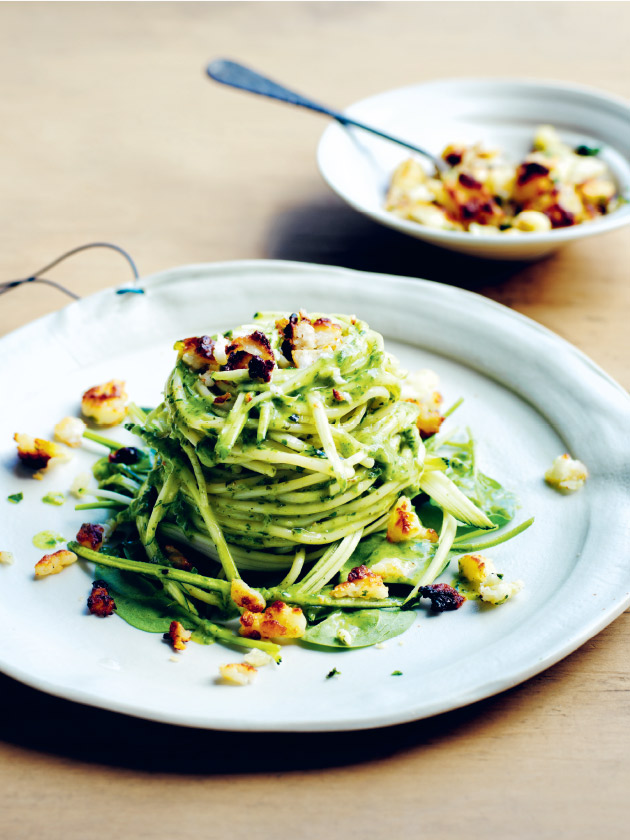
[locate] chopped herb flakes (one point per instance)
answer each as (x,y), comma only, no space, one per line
(587,151)
(15,498)
(54,498)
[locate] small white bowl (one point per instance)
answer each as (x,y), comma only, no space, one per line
(501,113)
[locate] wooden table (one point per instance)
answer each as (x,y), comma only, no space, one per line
(111,132)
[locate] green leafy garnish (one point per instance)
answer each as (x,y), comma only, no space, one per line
(446,494)
(333,673)
(397,673)
(465,543)
(15,498)
(359,629)
(488,495)
(141,603)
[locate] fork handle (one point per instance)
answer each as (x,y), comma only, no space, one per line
(238,76)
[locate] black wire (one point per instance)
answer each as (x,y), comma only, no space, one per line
(6,287)
(35,278)
(84,248)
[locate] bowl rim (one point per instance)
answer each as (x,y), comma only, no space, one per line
(617,219)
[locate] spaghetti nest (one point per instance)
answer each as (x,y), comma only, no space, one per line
(280,442)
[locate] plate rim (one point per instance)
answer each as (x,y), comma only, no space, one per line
(164,275)
(481,691)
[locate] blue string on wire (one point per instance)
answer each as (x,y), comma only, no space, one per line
(36,278)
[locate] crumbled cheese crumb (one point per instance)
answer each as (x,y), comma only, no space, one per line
(106,404)
(480,572)
(305,340)
(245,597)
(496,591)
(258,658)
(393,569)
(361,583)
(80,485)
(52,564)
(278,621)
(238,673)
(178,635)
(566,474)
(70,431)
(403,524)
(39,454)
(420,385)
(344,636)
(6,558)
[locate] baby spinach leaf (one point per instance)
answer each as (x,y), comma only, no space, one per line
(497,503)
(140,603)
(314,614)
(359,629)
(102,469)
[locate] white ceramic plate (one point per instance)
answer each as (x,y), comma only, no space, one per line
(501,113)
(529,396)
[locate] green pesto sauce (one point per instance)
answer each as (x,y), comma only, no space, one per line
(47,539)
(406,550)
(196,407)
(54,498)
(465,588)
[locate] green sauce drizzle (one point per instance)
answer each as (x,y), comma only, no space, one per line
(47,539)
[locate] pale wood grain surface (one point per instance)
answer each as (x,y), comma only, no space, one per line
(110,131)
